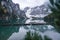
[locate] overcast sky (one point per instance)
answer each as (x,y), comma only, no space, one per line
(29,3)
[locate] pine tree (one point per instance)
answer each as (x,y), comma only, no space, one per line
(55,8)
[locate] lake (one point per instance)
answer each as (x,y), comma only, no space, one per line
(45,32)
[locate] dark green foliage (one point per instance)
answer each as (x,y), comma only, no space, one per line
(55,13)
(36,37)
(28,36)
(58,6)
(32,36)
(51,1)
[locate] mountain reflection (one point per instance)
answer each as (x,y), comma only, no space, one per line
(23,21)
(19,32)
(34,21)
(5,32)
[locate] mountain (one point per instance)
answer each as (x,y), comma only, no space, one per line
(25,9)
(22,15)
(10,9)
(38,11)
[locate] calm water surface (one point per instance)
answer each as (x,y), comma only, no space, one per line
(19,32)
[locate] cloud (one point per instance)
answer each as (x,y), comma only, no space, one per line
(29,3)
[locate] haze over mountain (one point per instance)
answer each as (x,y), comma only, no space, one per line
(38,11)
(29,3)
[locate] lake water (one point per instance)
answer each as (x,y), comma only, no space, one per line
(23,21)
(20,32)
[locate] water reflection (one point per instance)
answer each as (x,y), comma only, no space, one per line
(36,21)
(19,32)
(6,31)
(53,35)
(43,30)
(23,21)
(19,35)
(13,21)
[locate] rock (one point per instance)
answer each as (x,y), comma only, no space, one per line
(12,9)
(22,15)
(43,9)
(38,11)
(25,9)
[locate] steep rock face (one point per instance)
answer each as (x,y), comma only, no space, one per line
(38,11)
(11,8)
(25,9)
(16,10)
(43,9)
(22,15)
(7,6)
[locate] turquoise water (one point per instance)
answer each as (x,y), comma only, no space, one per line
(20,32)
